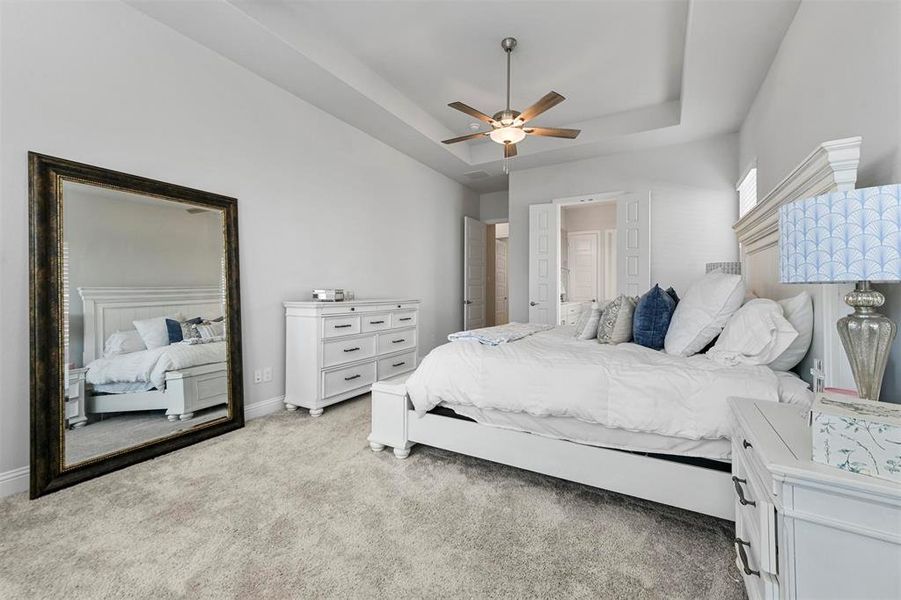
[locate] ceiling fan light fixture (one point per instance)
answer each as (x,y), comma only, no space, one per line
(507,135)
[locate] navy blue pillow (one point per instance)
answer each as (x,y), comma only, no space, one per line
(652,317)
(672,293)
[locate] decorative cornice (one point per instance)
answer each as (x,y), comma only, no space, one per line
(832,165)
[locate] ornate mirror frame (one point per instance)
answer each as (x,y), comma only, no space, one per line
(49,472)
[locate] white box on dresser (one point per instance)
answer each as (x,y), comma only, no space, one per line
(803,529)
(337,350)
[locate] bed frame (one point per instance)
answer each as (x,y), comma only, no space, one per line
(111,309)
(831,166)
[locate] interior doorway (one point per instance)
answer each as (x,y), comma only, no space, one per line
(485,274)
(586,256)
(501,278)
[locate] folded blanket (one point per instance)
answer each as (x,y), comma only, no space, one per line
(500,334)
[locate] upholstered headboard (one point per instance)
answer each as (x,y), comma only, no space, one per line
(832,166)
(111,309)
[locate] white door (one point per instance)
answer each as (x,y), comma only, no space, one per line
(500,282)
(544,268)
(584,267)
(633,224)
(474,275)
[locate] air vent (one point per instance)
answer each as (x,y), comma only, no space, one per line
(475,175)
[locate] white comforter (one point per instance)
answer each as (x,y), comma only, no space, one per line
(151,365)
(624,386)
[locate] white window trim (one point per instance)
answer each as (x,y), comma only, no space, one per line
(745,203)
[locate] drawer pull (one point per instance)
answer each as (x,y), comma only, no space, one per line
(400,364)
(376,322)
(741,493)
(746,444)
(351,349)
(398,341)
(405,319)
(343,326)
(740,544)
(352,377)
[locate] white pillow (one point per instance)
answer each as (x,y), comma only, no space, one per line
(799,312)
(794,390)
(755,335)
(702,313)
(592,316)
(154,331)
(123,342)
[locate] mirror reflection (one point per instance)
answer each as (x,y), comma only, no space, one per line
(144,305)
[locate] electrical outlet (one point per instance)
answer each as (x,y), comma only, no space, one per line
(257,376)
(267,374)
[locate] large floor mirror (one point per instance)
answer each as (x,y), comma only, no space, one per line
(135,320)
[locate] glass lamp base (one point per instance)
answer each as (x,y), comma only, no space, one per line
(867,337)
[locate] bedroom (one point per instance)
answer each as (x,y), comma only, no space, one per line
(330,139)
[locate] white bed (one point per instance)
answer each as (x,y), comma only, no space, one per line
(179,379)
(528,397)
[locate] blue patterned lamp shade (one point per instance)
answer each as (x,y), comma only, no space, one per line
(841,237)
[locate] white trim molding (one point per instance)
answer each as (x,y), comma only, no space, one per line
(14,482)
(264,408)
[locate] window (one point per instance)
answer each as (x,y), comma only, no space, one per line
(747,192)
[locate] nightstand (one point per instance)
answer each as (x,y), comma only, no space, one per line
(75,414)
(803,529)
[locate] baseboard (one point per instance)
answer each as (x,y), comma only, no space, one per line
(263,408)
(13,482)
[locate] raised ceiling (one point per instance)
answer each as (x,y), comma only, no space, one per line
(635,73)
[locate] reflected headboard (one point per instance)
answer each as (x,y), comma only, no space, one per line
(111,309)
(832,166)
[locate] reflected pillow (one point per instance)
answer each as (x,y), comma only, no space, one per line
(799,312)
(181,330)
(652,318)
(210,329)
(615,326)
(755,335)
(123,342)
(154,332)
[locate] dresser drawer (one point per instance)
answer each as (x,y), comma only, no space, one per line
(403,319)
(349,378)
(395,365)
(335,326)
(376,322)
(343,351)
(397,340)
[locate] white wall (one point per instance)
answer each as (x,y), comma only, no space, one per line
(493,207)
(320,203)
(837,74)
(693,207)
(118,239)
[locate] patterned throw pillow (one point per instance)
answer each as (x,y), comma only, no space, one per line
(616,321)
(589,324)
(210,329)
(652,317)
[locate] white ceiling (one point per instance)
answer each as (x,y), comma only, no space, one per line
(635,73)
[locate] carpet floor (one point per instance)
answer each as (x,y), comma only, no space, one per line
(297,507)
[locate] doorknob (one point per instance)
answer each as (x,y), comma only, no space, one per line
(467,302)
(533,304)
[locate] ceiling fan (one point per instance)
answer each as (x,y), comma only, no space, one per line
(507,126)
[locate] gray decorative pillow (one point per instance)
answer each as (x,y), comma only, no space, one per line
(582,321)
(589,329)
(616,321)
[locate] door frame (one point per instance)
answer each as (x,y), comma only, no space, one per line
(596,198)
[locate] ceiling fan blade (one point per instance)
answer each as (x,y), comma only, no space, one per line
(463,138)
(549,100)
(558,132)
(471,111)
(509,150)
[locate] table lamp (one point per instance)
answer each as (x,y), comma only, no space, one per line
(844,237)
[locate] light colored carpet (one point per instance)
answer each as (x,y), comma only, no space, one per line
(297,507)
(123,430)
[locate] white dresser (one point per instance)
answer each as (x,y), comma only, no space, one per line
(570,311)
(337,350)
(803,529)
